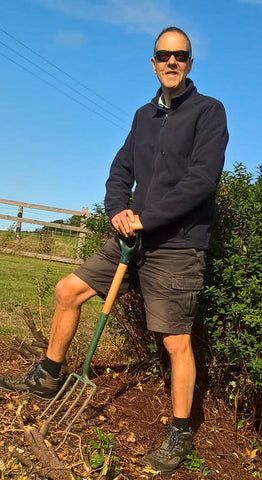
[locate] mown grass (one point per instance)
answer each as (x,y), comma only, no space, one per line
(18,291)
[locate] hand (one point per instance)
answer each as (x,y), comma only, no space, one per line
(126,223)
(135,226)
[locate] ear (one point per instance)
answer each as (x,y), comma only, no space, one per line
(190,63)
(153,61)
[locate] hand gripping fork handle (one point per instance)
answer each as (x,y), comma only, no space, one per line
(126,253)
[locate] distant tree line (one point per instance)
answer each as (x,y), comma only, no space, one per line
(74,221)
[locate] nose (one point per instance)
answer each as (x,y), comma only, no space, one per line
(172,59)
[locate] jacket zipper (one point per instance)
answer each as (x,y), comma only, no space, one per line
(162,125)
(164,119)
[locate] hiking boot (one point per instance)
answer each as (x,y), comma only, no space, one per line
(36,381)
(172,452)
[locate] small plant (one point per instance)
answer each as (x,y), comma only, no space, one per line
(100,452)
(43,287)
(194,463)
(153,364)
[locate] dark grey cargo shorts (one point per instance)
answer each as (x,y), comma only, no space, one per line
(170,280)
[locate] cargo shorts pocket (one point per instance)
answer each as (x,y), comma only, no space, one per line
(185,295)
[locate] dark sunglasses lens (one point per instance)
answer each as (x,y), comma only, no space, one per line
(164,55)
(181,56)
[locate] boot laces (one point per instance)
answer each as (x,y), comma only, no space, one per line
(32,370)
(173,437)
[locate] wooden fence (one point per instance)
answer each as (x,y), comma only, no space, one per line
(19,219)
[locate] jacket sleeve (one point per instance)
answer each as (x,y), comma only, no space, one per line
(202,175)
(121,177)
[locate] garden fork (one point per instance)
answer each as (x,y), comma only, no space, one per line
(126,253)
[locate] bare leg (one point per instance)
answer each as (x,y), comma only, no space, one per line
(183,373)
(71,293)
(178,443)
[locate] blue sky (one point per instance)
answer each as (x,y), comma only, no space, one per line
(73,73)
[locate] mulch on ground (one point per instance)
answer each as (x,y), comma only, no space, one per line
(134,407)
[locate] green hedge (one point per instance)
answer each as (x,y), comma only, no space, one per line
(231,310)
(228,330)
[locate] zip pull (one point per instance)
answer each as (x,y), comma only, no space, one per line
(164,119)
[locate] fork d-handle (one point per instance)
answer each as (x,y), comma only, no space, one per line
(111,296)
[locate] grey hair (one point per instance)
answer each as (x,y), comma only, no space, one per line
(178,30)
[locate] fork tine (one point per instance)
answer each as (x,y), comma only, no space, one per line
(82,407)
(75,400)
(68,396)
(58,395)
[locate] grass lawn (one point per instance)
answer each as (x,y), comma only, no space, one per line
(18,290)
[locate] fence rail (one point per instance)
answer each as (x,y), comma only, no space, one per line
(46,224)
(19,219)
(44,207)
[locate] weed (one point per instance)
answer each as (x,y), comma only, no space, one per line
(194,463)
(100,452)
(153,364)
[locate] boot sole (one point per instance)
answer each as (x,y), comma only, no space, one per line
(29,392)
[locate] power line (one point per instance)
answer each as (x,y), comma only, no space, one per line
(60,81)
(61,91)
(63,72)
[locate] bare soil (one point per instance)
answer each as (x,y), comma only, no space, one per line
(134,407)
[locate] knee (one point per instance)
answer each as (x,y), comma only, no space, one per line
(64,293)
(177,344)
(71,291)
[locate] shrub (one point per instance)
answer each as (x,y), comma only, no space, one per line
(228,327)
(101,229)
(231,310)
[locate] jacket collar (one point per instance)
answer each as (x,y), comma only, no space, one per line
(176,101)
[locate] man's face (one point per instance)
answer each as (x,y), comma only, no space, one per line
(172,73)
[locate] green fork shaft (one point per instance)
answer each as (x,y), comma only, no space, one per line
(126,253)
(113,291)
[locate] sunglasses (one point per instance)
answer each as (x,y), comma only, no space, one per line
(164,55)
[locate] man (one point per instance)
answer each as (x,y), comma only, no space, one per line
(174,155)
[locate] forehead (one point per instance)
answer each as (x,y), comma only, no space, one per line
(172,41)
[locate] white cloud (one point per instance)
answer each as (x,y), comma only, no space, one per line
(148,16)
(70,39)
(140,16)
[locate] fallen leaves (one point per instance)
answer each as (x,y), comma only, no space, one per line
(164,420)
(136,416)
(252,453)
(131,437)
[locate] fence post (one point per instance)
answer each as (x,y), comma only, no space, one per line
(82,236)
(19,223)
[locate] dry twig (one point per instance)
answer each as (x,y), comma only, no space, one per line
(51,467)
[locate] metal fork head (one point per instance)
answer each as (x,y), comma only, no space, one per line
(78,379)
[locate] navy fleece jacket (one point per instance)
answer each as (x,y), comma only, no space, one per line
(174,157)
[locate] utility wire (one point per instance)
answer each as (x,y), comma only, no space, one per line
(58,80)
(63,72)
(61,91)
